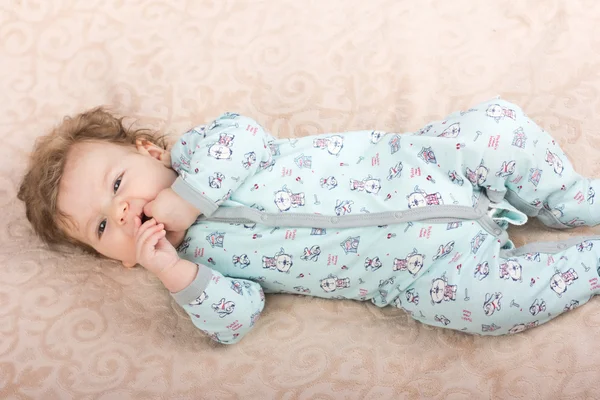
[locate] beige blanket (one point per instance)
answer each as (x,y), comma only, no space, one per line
(72,327)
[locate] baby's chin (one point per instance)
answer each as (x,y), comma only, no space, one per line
(127,264)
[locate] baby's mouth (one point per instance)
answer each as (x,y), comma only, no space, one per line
(145,218)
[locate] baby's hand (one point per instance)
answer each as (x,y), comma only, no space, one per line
(152,250)
(171,210)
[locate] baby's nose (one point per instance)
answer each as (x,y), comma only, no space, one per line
(122,211)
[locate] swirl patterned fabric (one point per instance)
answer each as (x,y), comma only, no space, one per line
(73,327)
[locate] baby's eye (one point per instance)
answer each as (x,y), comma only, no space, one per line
(117,184)
(101,228)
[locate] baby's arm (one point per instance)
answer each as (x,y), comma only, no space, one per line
(223,308)
(212,162)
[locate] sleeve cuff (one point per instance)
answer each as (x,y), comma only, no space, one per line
(198,200)
(195,289)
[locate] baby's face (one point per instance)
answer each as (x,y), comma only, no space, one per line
(105,187)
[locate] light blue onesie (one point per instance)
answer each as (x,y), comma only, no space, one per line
(414,220)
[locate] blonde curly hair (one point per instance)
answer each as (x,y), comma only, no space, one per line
(39,187)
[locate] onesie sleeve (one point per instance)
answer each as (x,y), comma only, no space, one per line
(214,160)
(223,308)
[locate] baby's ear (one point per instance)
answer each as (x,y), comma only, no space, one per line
(148,148)
(166,158)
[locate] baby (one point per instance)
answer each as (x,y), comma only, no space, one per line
(417,221)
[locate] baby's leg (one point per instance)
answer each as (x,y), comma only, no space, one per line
(567,198)
(507,291)
(517,160)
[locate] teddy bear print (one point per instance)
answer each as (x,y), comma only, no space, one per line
(442,291)
(285,199)
(333,144)
(511,269)
(561,280)
(281,261)
(411,263)
(368,185)
(331,283)
(479,175)
(221,150)
(420,198)
(497,112)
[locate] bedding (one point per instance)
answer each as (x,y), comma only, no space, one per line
(74,327)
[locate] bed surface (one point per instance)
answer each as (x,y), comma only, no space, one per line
(72,327)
